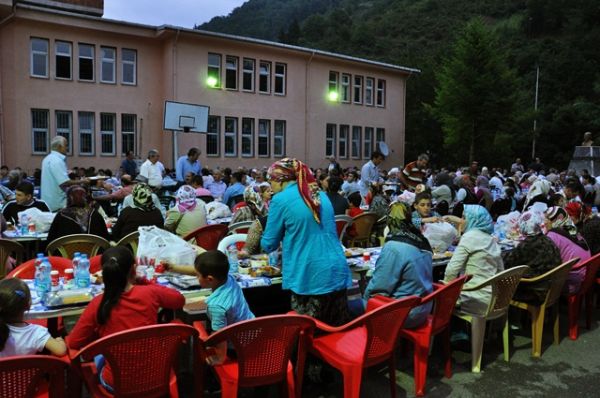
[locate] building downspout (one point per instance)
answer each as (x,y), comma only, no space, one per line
(2,138)
(174,97)
(306,133)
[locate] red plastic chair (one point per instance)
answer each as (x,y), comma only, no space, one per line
(366,341)
(27,376)
(238,206)
(342,222)
(27,269)
(142,361)
(263,347)
(585,291)
(208,237)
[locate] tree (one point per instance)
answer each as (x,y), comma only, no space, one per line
(474,100)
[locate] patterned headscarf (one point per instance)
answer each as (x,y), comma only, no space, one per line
(78,208)
(402,229)
(560,220)
(254,200)
(478,217)
(289,169)
(186,198)
(531,223)
(577,211)
(142,197)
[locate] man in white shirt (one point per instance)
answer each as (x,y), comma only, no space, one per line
(369,174)
(152,169)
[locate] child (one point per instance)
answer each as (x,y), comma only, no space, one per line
(423,213)
(16,336)
(354,200)
(123,305)
(226,304)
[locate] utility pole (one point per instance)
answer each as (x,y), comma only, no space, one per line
(535,107)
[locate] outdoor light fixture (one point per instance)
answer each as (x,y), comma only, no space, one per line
(212,81)
(333,96)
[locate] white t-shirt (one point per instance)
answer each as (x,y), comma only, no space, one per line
(25,340)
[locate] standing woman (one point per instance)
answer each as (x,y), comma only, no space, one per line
(477,254)
(314,266)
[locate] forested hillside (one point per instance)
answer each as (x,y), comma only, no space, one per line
(559,36)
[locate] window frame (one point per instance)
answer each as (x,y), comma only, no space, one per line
(248,136)
(379,136)
(261,75)
(232,135)
(93,58)
(58,54)
(344,133)
(132,133)
(124,63)
(357,86)
(92,133)
(345,88)
(217,68)
(368,142)
(282,77)
(251,73)
(235,69)
(356,142)
(333,84)
(216,134)
(66,132)
(370,90)
(330,139)
(382,89)
(108,133)
(279,136)
(46,55)
(107,61)
(44,130)
(262,135)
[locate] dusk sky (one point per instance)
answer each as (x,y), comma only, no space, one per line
(184,13)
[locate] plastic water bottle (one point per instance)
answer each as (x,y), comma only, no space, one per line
(82,272)
(594,211)
(42,278)
(232,256)
(36,264)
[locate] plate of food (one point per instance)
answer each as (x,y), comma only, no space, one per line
(265,270)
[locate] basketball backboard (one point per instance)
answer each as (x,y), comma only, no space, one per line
(180,116)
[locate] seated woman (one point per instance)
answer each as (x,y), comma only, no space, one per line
(535,250)
(404,266)
(188,213)
(477,254)
(142,213)
(123,305)
(379,203)
(563,233)
(78,217)
(254,207)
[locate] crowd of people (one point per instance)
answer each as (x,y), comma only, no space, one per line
(291,208)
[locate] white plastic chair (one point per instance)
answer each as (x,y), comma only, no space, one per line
(229,240)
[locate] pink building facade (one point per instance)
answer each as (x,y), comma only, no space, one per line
(103,83)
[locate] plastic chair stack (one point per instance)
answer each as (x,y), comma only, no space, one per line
(31,376)
(263,348)
(208,237)
(585,291)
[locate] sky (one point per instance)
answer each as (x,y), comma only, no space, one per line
(184,13)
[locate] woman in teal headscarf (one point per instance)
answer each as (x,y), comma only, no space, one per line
(477,254)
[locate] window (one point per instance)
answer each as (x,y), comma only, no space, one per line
(39,131)
(128,128)
(343,142)
(264,138)
(381,93)
(107,133)
(247,137)
(231,136)
(356,141)
(62,51)
(214,70)
(333,86)
(64,127)
(231,73)
(358,89)
(345,94)
(212,136)
(107,70)
(86,133)
(280,79)
(279,139)
(264,78)
(128,66)
(368,142)
(248,75)
(330,140)
(86,62)
(39,58)
(380,136)
(369,84)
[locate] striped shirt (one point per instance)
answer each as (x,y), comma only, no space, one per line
(414,175)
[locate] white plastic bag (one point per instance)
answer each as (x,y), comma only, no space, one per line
(216,209)
(440,235)
(156,245)
(41,219)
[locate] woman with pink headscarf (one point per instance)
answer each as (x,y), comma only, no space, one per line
(188,213)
